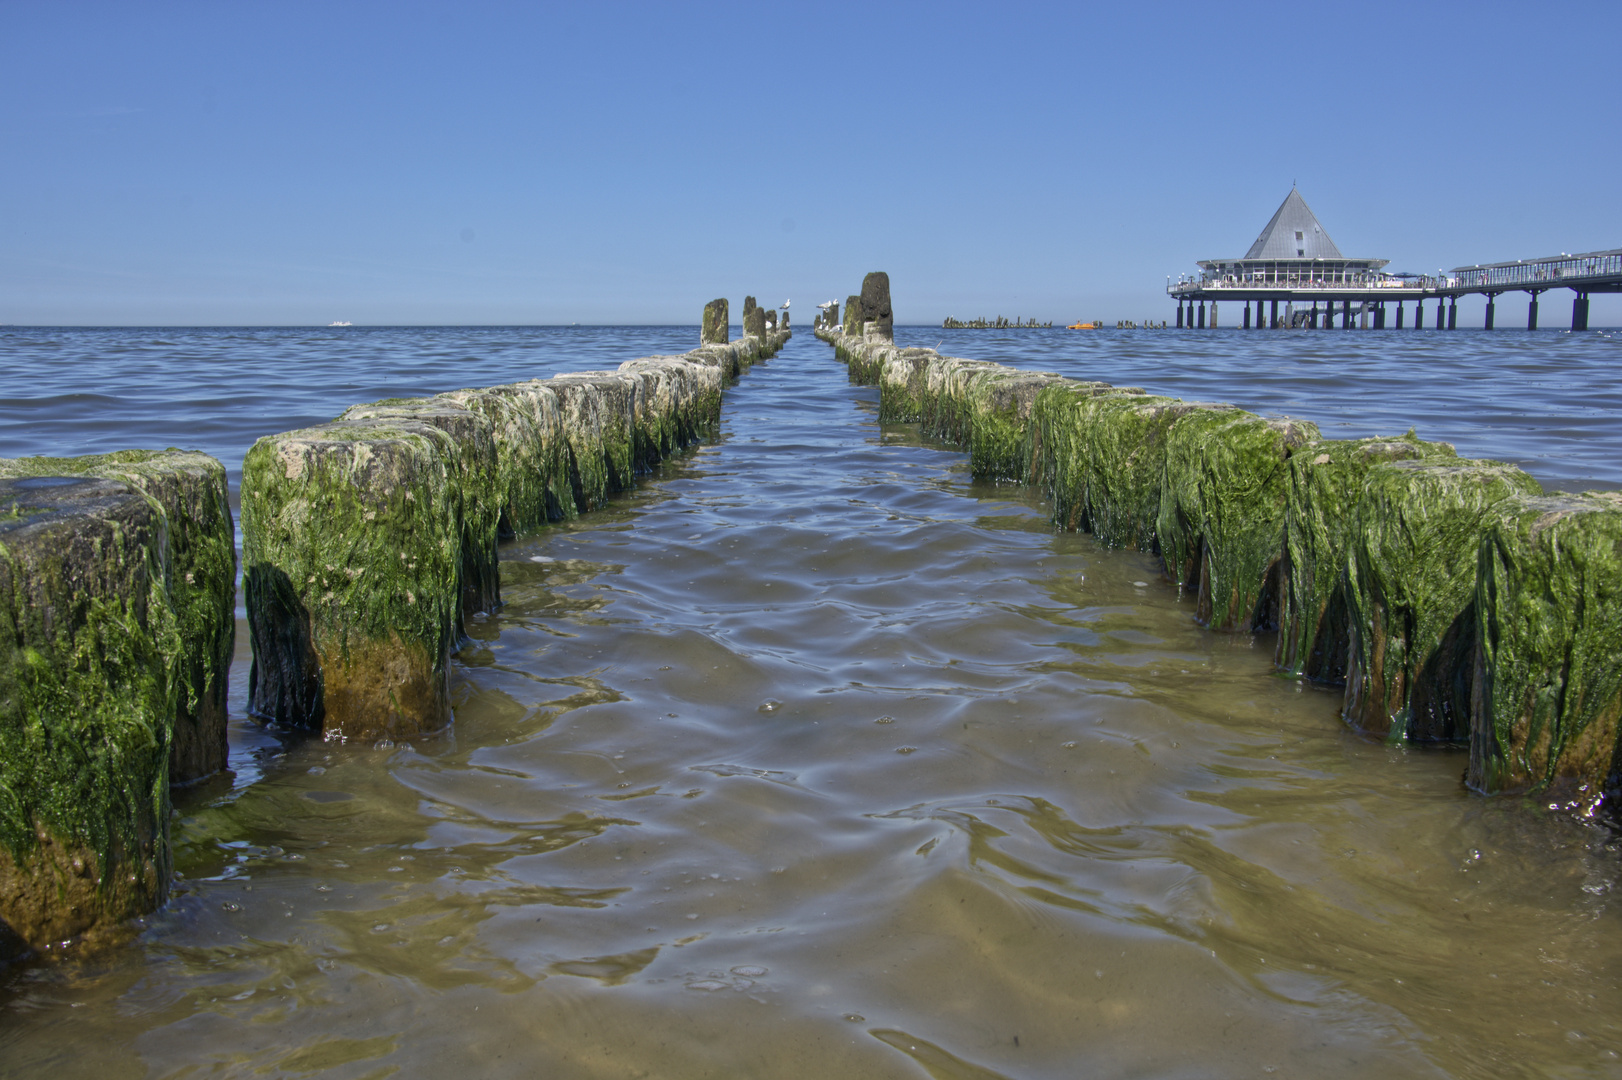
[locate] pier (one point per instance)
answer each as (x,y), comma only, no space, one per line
(1295,277)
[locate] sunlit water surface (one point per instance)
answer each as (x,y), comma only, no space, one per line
(811,757)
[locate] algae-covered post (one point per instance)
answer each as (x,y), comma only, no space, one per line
(1547,697)
(189,490)
(1410,585)
(367,541)
(1221,518)
(1451,597)
(1324,484)
(853,316)
(876,307)
(89,653)
(352,571)
(771,320)
(715,330)
(754,322)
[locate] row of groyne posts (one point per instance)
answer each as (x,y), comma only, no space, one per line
(1452,599)
(367,542)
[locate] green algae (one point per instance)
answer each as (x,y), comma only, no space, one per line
(678,403)
(1410,589)
(189,490)
(1061,450)
(368,539)
(715,329)
(1547,697)
(991,411)
(91,671)
(478,483)
(903,381)
(1221,523)
(1324,485)
(353,538)
(866,360)
(527,425)
(598,413)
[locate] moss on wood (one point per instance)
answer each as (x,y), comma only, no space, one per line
(1323,486)
(993,412)
(1410,588)
(189,490)
(598,409)
(91,667)
(532,471)
(678,402)
(1059,447)
(353,563)
(477,482)
(1547,698)
(902,382)
(1221,524)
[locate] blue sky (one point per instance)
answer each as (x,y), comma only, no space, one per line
(231,163)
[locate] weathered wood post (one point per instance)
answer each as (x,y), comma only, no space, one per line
(877,321)
(715,330)
(90,668)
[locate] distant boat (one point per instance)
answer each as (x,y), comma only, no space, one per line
(1085,326)
(340,324)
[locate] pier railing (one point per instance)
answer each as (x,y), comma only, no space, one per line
(1561,272)
(1359,283)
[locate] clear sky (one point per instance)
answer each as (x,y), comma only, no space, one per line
(270,163)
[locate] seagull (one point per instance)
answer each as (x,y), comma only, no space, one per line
(785,304)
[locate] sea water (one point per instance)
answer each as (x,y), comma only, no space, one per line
(811,756)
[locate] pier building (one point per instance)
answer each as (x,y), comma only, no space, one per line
(1296,276)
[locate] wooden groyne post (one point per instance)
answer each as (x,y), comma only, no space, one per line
(1449,598)
(367,541)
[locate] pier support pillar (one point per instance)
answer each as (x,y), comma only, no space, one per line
(1274,321)
(1488,323)
(1202,315)
(1179,314)
(1379,316)
(1419,314)
(1345,314)
(1213,314)
(1246,326)
(1453,314)
(1399,314)
(1441,312)
(1312,317)
(1532,313)
(1579,312)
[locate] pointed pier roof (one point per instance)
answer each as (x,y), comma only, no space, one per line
(1294,233)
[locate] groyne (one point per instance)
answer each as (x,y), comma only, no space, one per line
(367,542)
(1450,598)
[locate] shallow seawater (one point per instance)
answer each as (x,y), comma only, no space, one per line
(813,757)
(1549,401)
